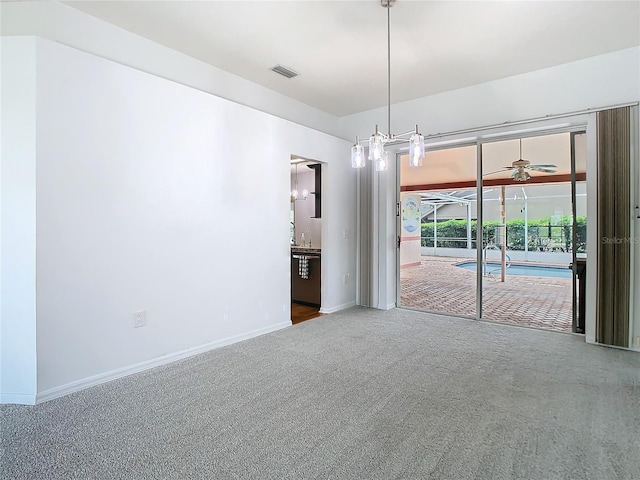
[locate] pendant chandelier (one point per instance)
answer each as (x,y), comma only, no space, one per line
(377,142)
(294,192)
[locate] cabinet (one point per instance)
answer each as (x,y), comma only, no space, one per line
(317,193)
(306,290)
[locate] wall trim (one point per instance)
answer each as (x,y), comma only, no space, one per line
(92,381)
(338,307)
(18,398)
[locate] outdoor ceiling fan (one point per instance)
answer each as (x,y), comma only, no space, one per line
(521,166)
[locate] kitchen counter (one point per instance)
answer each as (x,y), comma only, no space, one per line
(299,250)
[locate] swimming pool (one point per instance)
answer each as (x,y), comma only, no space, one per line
(516,269)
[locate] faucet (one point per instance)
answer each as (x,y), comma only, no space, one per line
(302,239)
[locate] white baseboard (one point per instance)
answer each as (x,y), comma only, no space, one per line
(388,306)
(18,398)
(337,307)
(147,364)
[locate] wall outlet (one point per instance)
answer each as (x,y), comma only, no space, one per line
(139,319)
(638,341)
(345,277)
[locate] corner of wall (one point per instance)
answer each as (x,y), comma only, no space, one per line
(18,381)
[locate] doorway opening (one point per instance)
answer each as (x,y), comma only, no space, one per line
(305,237)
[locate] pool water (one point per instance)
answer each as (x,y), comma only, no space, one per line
(528,270)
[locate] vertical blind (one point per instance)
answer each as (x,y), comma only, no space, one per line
(614,226)
(365,240)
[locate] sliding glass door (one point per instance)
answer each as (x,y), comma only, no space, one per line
(437,232)
(528,232)
(533,213)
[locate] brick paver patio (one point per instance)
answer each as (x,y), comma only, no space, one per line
(437,285)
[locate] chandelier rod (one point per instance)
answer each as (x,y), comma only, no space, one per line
(389,68)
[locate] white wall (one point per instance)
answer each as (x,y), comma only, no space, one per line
(58,22)
(599,81)
(18,222)
(143,190)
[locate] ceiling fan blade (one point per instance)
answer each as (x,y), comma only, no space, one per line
(510,167)
(491,173)
(542,169)
(543,165)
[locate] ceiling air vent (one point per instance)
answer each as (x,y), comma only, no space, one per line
(284,71)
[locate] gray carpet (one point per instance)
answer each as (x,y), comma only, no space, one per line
(361,394)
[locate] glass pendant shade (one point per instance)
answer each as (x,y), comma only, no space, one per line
(294,193)
(357,156)
(382,164)
(416,150)
(376,147)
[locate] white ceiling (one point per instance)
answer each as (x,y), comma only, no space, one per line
(339,47)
